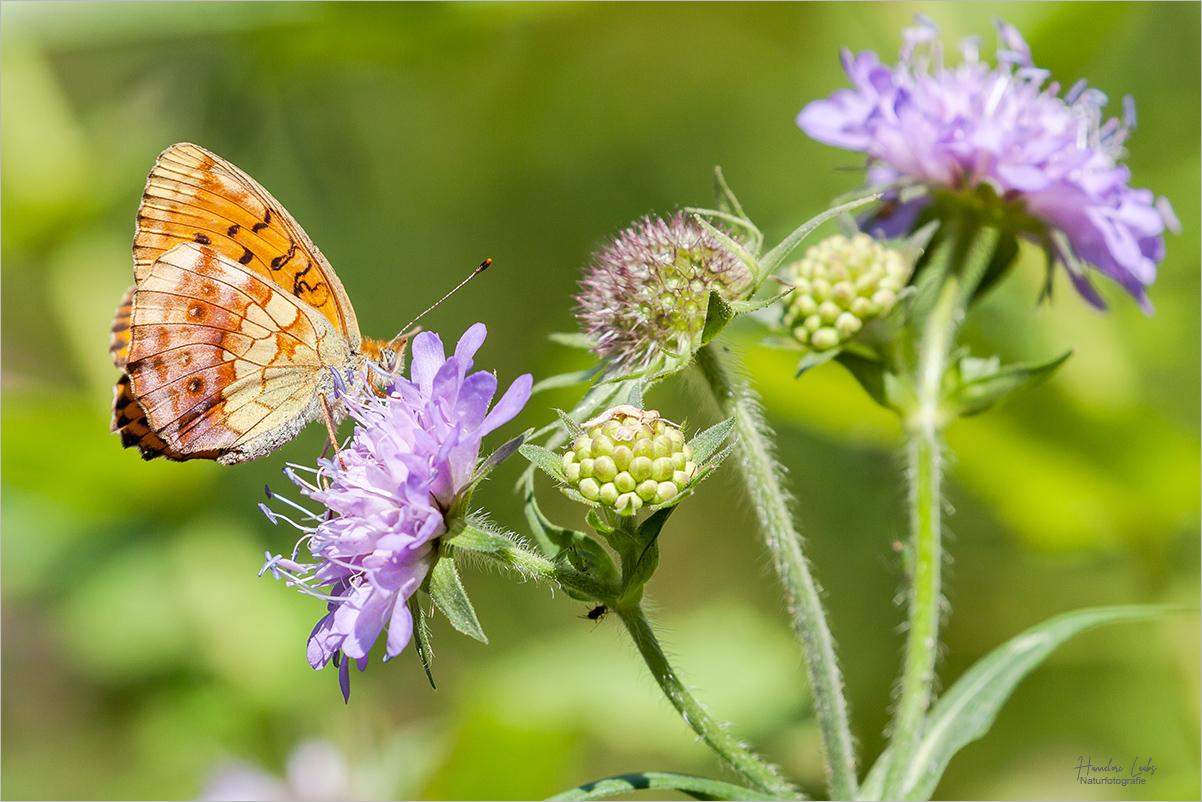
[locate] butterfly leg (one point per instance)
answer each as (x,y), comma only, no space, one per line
(328,415)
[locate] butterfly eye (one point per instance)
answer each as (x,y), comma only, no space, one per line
(387,359)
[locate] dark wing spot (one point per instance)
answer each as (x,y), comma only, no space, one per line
(246,256)
(299,285)
(257,227)
(232,230)
(279,261)
(267,216)
(195,385)
(203,239)
(196,311)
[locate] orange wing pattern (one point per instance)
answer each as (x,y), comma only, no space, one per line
(193,195)
(221,361)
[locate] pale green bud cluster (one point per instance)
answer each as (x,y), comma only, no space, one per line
(628,458)
(839,285)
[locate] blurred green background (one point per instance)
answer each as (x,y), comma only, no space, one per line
(140,651)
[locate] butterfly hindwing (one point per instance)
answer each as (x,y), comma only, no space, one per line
(220,360)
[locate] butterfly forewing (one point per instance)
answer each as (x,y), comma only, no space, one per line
(193,195)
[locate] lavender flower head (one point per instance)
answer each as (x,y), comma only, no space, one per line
(390,494)
(972,125)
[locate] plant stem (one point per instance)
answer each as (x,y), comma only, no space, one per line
(715,734)
(969,249)
(764,479)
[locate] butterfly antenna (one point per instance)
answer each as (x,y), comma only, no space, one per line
(406,330)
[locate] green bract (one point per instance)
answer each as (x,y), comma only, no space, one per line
(839,285)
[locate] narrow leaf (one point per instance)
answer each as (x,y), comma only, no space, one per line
(741,307)
(696,787)
(717,315)
(635,398)
(448,594)
(545,459)
(775,257)
(707,442)
(421,638)
(570,379)
(724,197)
(503,453)
(979,393)
(968,709)
(812,359)
(572,339)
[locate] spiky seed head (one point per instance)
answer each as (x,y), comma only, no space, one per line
(645,295)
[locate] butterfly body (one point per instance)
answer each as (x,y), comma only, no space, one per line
(231,334)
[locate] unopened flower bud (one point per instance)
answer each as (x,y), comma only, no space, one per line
(628,458)
(839,285)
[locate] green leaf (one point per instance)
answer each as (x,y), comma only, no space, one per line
(500,455)
(775,257)
(569,379)
(572,339)
(982,383)
(733,246)
(569,424)
(724,197)
(812,359)
(545,459)
(421,638)
(740,307)
(707,442)
(717,315)
(477,538)
(885,388)
(635,397)
(448,594)
(696,787)
(967,711)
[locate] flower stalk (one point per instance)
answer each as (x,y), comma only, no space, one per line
(764,479)
(624,599)
(969,248)
(714,733)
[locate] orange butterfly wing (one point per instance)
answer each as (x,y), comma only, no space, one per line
(242,379)
(193,195)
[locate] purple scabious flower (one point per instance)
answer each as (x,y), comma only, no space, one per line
(390,494)
(960,128)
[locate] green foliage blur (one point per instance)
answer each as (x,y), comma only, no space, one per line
(140,650)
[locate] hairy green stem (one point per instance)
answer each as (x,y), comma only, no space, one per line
(764,479)
(969,248)
(715,734)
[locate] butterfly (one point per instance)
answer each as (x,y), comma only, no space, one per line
(235,320)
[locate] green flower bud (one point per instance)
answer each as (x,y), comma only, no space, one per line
(647,490)
(631,458)
(640,468)
(589,489)
(609,494)
(838,286)
(604,469)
